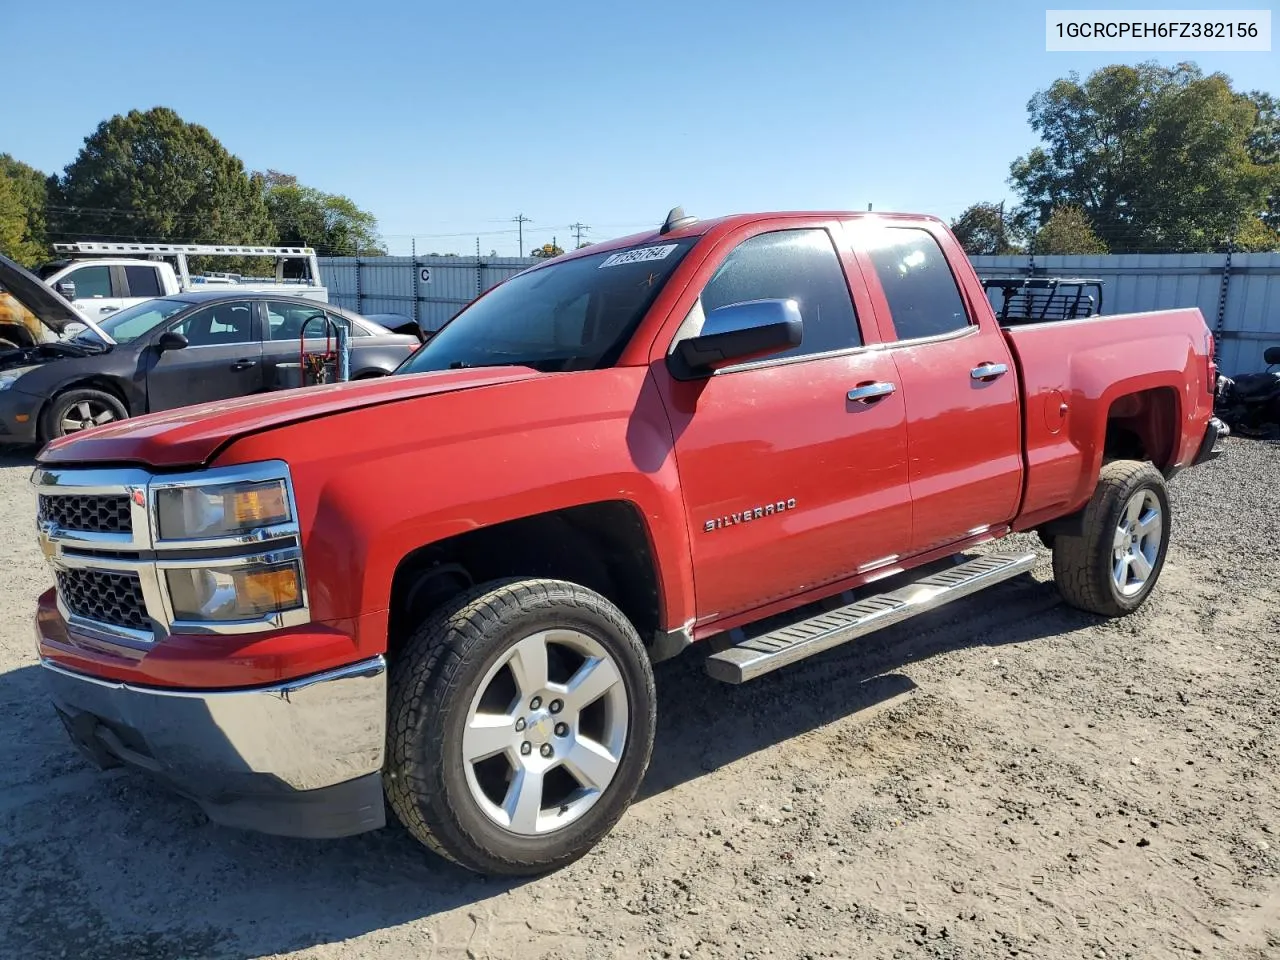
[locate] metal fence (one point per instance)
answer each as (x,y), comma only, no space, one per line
(428,289)
(1239,294)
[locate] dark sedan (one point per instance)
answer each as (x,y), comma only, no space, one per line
(171,352)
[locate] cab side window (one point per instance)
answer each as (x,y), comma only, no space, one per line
(923,297)
(91,282)
(800,265)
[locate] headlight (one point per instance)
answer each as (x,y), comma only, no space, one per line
(223,510)
(234,593)
(13,375)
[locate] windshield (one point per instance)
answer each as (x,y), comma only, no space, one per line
(136,321)
(574,315)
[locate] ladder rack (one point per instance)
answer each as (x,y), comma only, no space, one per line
(96,248)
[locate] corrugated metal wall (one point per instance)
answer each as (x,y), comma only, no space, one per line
(428,289)
(1238,295)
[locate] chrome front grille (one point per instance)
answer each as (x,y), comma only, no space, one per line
(104,597)
(94,513)
(95,529)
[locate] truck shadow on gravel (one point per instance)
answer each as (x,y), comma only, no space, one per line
(107,865)
(16,456)
(733,722)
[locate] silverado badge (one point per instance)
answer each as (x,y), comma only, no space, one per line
(751,513)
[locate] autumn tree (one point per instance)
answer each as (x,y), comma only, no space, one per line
(1067,231)
(330,222)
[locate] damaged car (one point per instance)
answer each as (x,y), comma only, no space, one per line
(61,373)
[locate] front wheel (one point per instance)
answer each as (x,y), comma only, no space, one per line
(521,720)
(80,409)
(1112,568)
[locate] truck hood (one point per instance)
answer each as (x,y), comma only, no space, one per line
(51,308)
(192,436)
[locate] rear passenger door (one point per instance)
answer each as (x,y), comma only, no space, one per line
(285,324)
(963,417)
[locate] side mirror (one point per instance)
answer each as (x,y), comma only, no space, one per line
(67,288)
(171,340)
(738,332)
(1271,356)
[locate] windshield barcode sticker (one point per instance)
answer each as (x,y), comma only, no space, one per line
(640,255)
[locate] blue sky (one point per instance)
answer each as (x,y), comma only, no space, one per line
(446,119)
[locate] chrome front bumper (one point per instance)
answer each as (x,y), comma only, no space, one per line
(300,758)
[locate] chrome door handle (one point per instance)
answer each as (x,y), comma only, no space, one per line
(989,371)
(243,364)
(871,392)
(108,309)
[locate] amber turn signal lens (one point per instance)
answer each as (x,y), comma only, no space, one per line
(263,591)
(258,505)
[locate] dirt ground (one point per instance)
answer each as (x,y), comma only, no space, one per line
(1005,778)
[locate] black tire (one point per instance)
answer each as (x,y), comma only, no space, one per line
(1082,566)
(431,688)
(61,407)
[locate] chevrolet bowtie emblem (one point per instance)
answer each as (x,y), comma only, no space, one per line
(47,529)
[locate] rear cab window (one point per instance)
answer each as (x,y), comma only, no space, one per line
(143,281)
(921,291)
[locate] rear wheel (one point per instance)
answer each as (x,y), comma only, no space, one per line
(1114,565)
(78,410)
(521,723)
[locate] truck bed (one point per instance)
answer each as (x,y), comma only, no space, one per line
(1137,375)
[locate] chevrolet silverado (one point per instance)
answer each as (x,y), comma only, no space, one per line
(447,587)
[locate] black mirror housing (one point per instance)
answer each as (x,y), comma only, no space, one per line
(171,340)
(1271,355)
(736,333)
(66,288)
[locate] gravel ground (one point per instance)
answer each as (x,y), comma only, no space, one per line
(1006,777)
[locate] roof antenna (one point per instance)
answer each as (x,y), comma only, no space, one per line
(676,219)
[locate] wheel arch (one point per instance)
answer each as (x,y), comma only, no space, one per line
(1143,425)
(93,381)
(603,545)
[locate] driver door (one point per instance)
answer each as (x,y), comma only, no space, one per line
(222,359)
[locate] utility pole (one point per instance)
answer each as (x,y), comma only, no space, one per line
(520,220)
(578,229)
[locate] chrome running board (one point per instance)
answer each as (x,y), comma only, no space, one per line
(767,652)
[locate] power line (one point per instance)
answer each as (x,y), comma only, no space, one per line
(578,229)
(520,220)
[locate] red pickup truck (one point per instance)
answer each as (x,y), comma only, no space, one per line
(448,586)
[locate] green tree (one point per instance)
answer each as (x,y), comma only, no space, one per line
(983,228)
(331,223)
(546,251)
(1157,158)
(152,176)
(1067,231)
(1264,148)
(23,219)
